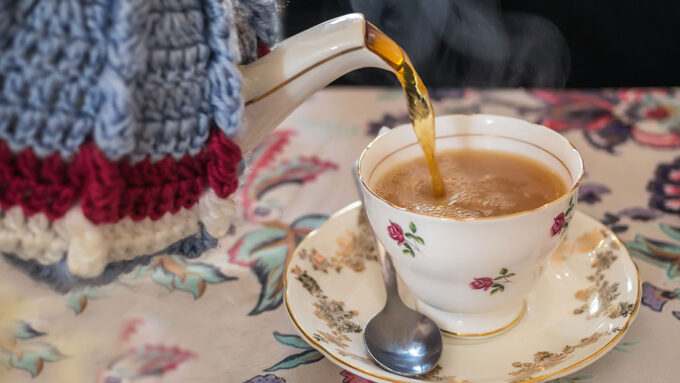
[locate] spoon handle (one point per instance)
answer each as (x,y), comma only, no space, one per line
(386,266)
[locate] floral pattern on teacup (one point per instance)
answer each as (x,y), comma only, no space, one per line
(495,284)
(561,221)
(408,240)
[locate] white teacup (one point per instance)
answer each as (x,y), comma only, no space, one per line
(472,276)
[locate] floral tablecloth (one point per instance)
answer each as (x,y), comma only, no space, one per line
(220,318)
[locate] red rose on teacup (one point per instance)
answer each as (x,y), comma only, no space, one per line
(395,232)
(557,225)
(481,283)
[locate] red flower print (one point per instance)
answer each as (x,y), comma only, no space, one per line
(481,283)
(410,245)
(658,113)
(496,284)
(396,233)
(351,378)
(557,225)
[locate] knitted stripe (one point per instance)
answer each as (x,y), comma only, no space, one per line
(109,191)
(142,78)
(32,238)
(89,248)
(57,275)
(37,185)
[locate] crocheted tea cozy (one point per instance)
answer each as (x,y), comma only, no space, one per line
(115,118)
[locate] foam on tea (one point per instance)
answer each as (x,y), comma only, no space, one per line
(478,183)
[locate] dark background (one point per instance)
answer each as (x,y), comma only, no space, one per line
(572,43)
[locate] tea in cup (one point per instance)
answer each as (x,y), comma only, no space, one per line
(472,256)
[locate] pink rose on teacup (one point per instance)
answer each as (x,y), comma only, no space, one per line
(557,225)
(481,283)
(395,232)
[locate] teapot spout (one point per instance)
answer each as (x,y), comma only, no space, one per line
(276,84)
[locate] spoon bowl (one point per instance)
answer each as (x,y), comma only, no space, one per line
(402,340)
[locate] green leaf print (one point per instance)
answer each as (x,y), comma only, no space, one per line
(309,355)
(412,226)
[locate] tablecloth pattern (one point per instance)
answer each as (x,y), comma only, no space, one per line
(219,318)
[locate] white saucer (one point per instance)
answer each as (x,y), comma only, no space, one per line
(584,302)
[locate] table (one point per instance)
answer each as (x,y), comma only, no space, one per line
(220,319)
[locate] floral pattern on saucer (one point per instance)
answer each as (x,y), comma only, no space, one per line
(353,251)
(330,305)
(601,289)
(544,359)
(338,320)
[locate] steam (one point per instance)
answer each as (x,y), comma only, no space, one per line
(472,42)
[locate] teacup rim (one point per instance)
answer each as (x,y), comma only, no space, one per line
(477,219)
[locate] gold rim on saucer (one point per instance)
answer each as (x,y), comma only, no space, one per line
(349,365)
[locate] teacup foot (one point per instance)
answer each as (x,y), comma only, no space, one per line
(473,325)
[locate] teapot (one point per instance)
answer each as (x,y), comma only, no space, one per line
(277,83)
(85,211)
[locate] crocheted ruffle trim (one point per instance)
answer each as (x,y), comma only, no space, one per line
(110,191)
(58,276)
(88,248)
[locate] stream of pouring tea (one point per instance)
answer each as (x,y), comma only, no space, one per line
(419,106)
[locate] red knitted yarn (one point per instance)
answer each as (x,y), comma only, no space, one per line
(37,184)
(224,157)
(262,48)
(109,191)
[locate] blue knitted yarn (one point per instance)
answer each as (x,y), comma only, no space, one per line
(262,18)
(224,78)
(58,277)
(143,77)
